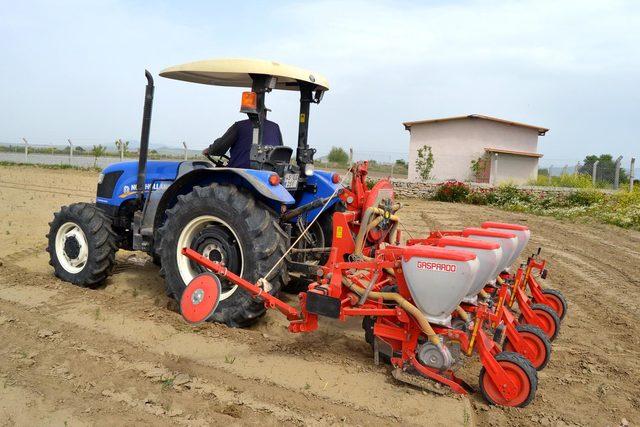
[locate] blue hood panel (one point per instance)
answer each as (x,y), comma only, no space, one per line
(125,188)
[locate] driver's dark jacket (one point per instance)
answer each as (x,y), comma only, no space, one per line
(238,139)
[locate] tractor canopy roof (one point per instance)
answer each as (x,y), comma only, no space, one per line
(238,72)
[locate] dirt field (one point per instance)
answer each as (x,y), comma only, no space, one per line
(120,355)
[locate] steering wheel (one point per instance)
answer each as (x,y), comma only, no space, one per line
(218,161)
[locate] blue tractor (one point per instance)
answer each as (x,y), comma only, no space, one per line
(246,218)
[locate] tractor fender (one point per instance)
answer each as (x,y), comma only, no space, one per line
(323,186)
(256,181)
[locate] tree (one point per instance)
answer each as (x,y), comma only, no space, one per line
(124,146)
(338,155)
(401,162)
(606,168)
(98,151)
(424,162)
(479,168)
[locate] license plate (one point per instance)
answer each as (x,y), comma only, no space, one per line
(291,180)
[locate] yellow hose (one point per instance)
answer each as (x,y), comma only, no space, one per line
(367,225)
(463,314)
(406,305)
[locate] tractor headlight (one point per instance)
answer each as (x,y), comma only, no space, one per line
(308,169)
(100,178)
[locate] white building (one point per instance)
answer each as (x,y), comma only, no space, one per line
(508,150)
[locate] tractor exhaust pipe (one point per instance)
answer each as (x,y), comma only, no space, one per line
(144,137)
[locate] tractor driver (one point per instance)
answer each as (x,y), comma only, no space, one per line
(238,139)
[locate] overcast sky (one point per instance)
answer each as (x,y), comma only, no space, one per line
(74,69)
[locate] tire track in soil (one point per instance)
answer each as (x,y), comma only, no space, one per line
(166,336)
(591,379)
(133,393)
(595,362)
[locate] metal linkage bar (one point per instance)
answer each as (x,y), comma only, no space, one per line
(291,312)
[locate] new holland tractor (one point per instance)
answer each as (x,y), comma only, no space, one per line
(244,218)
(229,239)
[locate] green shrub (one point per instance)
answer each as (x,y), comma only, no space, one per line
(370,183)
(621,208)
(565,180)
(509,194)
(452,191)
(478,196)
(424,162)
(338,155)
(585,197)
(551,199)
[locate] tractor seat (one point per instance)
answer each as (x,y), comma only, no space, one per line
(280,154)
(276,158)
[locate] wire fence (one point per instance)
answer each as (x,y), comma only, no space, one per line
(96,156)
(604,171)
(381,163)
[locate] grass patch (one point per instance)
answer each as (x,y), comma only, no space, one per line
(621,208)
(45,166)
(568,181)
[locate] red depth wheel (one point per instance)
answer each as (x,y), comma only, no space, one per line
(550,320)
(520,372)
(556,301)
(537,341)
(200,298)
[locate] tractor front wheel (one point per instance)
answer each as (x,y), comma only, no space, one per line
(224,224)
(81,245)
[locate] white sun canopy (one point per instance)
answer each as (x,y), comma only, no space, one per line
(236,72)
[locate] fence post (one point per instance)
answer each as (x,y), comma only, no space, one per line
(184,144)
(631,172)
(350,156)
(26,150)
(594,173)
(616,179)
(121,150)
(70,151)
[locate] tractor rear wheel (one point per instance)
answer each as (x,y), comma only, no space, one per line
(81,245)
(225,224)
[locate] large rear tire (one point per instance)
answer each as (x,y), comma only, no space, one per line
(225,224)
(81,245)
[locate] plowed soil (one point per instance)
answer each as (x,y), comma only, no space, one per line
(121,354)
